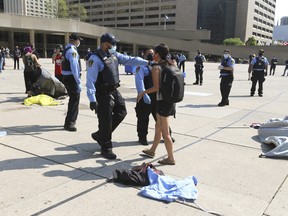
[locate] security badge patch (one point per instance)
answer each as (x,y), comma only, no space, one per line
(74,54)
(90,62)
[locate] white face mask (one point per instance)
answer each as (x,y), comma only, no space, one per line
(226,55)
(112,49)
(78,44)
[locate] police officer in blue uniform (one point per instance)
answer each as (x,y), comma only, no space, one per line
(147,105)
(259,69)
(199,59)
(71,71)
(102,83)
(226,74)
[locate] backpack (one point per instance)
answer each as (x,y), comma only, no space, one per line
(172,84)
(29,66)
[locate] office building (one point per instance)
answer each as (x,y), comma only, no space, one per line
(284,21)
(38,8)
(225,18)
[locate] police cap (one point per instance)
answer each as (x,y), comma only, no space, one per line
(261,51)
(108,37)
(75,36)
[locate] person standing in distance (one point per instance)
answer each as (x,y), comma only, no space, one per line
(71,72)
(273,65)
(16,57)
(226,74)
(199,59)
(286,68)
(57,60)
(259,69)
(102,83)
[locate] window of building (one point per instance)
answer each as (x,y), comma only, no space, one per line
(137,10)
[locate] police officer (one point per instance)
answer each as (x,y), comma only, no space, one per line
(199,59)
(273,65)
(71,72)
(226,74)
(259,69)
(102,83)
(286,68)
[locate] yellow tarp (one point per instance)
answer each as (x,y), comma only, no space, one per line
(42,99)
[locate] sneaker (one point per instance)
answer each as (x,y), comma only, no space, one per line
(108,154)
(143,142)
(71,127)
(195,83)
(252,94)
(148,153)
(260,95)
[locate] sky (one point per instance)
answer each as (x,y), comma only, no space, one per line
(281,10)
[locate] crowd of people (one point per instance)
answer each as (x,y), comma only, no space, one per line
(102,83)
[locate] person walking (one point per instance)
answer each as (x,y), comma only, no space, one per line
(199,59)
(71,72)
(259,69)
(227,76)
(147,105)
(16,57)
(286,68)
(102,84)
(57,60)
(273,64)
(1,61)
(164,108)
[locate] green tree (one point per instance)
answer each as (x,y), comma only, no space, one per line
(77,11)
(58,8)
(233,42)
(251,41)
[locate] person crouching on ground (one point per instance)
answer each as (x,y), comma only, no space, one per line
(163,108)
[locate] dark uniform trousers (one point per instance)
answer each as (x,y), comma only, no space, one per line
(74,99)
(199,73)
(143,112)
(257,76)
(225,86)
(111,112)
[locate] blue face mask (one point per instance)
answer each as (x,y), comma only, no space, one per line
(112,49)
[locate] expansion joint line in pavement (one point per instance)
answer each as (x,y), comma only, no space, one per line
(276,192)
(227,126)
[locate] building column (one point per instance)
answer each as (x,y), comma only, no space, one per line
(135,49)
(11,44)
(98,42)
(32,37)
(44,45)
(66,38)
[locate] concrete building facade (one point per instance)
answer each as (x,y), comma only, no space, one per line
(38,8)
(225,18)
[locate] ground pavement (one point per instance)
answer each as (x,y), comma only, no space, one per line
(45,170)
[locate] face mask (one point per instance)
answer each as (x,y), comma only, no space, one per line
(150,57)
(78,44)
(112,49)
(226,55)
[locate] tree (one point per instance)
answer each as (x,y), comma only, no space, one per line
(58,8)
(77,11)
(233,42)
(251,41)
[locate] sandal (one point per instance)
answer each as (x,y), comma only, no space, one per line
(148,153)
(166,161)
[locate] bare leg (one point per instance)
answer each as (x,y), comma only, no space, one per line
(164,124)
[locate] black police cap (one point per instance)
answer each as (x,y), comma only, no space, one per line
(108,37)
(75,36)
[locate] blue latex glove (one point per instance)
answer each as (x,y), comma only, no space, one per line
(79,87)
(146,99)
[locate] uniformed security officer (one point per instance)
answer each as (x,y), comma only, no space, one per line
(259,69)
(199,59)
(102,83)
(71,71)
(226,74)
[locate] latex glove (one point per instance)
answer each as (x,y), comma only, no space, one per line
(146,99)
(94,106)
(220,67)
(79,87)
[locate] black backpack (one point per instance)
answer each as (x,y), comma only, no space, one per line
(172,84)
(29,66)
